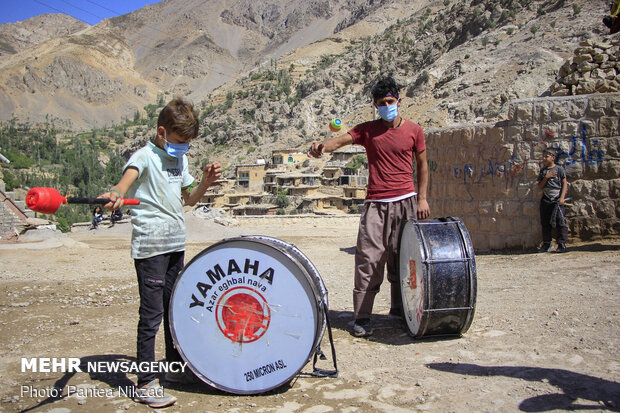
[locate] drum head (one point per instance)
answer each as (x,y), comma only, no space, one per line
(412,274)
(244,316)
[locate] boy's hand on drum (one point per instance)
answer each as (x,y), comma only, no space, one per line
(424,211)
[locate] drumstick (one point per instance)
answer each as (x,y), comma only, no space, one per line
(48,200)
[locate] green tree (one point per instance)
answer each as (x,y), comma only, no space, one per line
(282,200)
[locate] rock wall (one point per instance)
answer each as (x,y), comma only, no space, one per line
(12,217)
(486,174)
(594,68)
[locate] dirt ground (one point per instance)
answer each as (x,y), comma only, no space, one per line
(545,336)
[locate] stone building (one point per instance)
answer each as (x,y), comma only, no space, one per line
(287,156)
(322,203)
(250,177)
(255,209)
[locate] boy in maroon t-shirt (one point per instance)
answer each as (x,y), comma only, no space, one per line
(391,144)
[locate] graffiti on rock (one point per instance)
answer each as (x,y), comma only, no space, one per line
(586,155)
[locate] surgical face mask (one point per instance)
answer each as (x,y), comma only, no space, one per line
(388,113)
(175,149)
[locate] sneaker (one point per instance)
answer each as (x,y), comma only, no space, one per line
(561,248)
(546,248)
(362,328)
(180,378)
(395,314)
(153,395)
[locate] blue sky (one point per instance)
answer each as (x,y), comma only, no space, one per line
(89,11)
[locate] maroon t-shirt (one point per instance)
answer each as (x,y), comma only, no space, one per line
(390,154)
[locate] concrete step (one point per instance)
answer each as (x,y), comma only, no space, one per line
(10,195)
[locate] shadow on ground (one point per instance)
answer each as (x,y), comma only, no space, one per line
(574,386)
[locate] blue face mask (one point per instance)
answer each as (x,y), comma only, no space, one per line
(388,113)
(175,149)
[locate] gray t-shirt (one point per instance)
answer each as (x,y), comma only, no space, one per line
(553,187)
(158,222)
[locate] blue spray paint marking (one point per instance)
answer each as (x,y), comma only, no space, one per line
(492,168)
(592,157)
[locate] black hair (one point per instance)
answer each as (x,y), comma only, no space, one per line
(551,151)
(383,87)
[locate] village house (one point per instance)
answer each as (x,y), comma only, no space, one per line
(347,153)
(353,177)
(286,181)
(302,190)
(331,175)
(288,156)
(214,200)
(323,203)
(250,177)
(270,180)
(222,185)
(255,209)
(237,199)
(355,192)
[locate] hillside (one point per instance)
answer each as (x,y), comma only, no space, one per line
(17,37)
(457,63)
(270,75)
(104,73)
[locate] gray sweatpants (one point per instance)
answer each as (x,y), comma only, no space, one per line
(377,245)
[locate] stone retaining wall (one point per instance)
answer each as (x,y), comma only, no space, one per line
(486,173)
(594,68)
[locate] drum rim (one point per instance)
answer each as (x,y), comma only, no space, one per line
(424,254)
(318,330)
(468,250)
(473,288)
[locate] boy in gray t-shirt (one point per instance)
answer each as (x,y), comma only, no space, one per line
(552,181)
(158,175)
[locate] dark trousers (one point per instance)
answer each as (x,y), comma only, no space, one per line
(546,212)
(156,277)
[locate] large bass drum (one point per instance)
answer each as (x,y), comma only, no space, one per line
(437,277)
(248,313)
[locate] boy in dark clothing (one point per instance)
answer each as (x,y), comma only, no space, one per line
(552,181)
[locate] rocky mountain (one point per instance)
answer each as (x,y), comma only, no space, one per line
(100,74)
(16,37)
(458,62)
(270,74)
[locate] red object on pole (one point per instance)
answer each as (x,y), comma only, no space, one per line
(48,200)
(44,200)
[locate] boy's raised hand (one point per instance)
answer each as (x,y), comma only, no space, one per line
(316,150)
(212,172)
